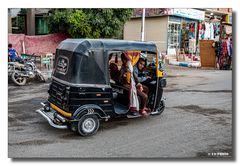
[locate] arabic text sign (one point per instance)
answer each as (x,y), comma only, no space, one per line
(190,13)
(62,65)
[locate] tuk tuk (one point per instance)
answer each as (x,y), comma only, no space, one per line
(85,89)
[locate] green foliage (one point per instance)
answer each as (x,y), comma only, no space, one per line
(23,11)
(79,24)
(89,23)
(58,20)
(19,22)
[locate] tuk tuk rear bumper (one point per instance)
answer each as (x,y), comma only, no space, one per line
(52,117)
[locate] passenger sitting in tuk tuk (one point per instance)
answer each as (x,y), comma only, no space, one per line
(113,68)
(125,80)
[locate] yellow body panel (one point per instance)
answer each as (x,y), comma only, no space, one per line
(159,73)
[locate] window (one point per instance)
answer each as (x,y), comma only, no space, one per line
(173,35)
(41,25)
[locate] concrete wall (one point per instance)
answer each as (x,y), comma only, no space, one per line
(39,45)
(155,30)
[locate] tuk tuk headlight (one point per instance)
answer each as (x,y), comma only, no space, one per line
(163,82)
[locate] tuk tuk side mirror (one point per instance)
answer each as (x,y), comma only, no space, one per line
(159,71)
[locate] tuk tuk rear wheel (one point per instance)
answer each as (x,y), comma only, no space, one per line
(88,125)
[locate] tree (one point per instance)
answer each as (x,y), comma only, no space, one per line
(18,22)
(90,23)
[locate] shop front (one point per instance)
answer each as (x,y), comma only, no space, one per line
(215,32)
(183,30)
(171,29)
(182,34)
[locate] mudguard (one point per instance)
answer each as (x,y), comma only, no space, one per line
(90,109)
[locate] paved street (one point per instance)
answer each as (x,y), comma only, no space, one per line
(197,122)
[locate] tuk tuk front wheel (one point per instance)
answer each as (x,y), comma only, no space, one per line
(88,125)
(161,107)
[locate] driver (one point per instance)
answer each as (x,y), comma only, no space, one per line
(138,71)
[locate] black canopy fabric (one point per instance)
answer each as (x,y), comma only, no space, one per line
(81,45)
(85,61)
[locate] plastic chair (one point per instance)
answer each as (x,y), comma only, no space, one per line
(51,57)
(47,60)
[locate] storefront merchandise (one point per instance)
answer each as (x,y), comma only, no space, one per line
(223,50)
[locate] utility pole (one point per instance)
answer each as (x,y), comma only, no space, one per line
(143,24)
(31,21)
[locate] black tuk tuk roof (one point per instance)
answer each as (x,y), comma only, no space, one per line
(80,45)
(84,61)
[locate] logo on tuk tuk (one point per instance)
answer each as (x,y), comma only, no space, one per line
(62,65)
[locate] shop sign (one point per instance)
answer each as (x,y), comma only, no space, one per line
(151,12)
(189,13)
(62,65)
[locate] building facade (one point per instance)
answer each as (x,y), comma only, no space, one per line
(172,29)
(30,21)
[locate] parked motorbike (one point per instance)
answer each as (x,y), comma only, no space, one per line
(22,71)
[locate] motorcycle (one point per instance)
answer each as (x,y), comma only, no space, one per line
(23,70)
